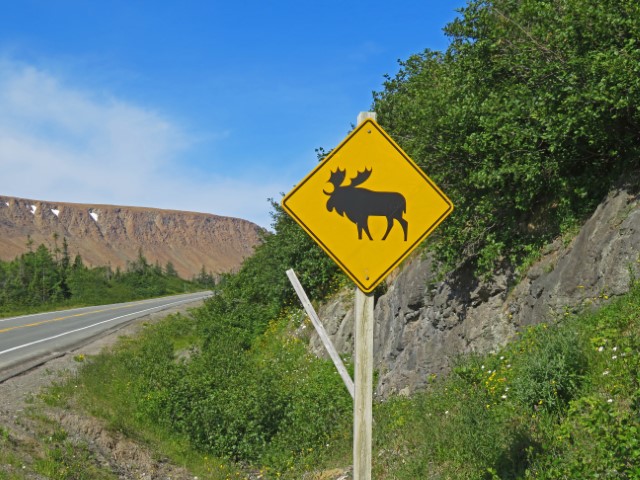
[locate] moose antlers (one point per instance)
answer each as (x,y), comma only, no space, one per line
(338,176)
(361,177)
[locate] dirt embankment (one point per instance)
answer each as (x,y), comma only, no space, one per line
(28,427)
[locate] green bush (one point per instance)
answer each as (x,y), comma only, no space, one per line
(553,374)
(526,121)
(560,402)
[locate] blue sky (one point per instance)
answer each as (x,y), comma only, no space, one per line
(204,106)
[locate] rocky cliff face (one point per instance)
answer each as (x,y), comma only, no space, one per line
(107,234)
(422,324)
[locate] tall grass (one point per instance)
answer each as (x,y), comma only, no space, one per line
(562,401)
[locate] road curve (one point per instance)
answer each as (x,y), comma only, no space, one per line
(28,338)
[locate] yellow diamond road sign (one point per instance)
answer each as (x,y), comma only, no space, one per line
(368,205)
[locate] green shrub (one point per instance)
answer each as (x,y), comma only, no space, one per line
(556,365)
(526,121)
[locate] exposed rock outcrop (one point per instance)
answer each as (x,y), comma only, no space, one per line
(422,323)
(113,235)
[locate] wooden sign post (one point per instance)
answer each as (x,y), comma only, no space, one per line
(363,351)
(368,206)
(363,402)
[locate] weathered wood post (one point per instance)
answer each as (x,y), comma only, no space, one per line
(363,352)
(322,333)
(363,402)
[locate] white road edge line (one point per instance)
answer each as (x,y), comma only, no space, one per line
(88,326)
(144,300)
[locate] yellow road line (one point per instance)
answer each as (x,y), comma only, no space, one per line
(58,319)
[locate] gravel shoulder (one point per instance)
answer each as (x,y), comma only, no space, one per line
(25,421)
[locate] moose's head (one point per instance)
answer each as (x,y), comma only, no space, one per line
(338,197)
(336,180)
(339,175)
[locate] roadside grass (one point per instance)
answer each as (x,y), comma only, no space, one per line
(107,386)
(561,401)
(148,387)
(50,454)
(11,462)
(64,459)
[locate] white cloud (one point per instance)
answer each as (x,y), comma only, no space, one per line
(364,51)
(62,143)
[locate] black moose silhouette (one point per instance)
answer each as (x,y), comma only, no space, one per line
(360,203)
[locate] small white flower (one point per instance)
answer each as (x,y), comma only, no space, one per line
(482,367)
(610,400)
(600,349)
(506,389)
(614,348)
(504,397)
(508,365)
(614,357)
(606,372)
(489,371)
(447,412)
(501,358)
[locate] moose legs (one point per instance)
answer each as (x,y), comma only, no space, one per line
(401,221)
(364,228)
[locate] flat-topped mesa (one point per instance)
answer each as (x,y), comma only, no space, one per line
(114,235)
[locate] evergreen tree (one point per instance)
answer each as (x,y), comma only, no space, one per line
(65,261)
(78,264)
(36,278)
(170,270)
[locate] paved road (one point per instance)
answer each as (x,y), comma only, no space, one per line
(30,337)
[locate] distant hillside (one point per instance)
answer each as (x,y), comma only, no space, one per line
(109,234)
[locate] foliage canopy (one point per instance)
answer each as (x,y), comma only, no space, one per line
(526,121)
